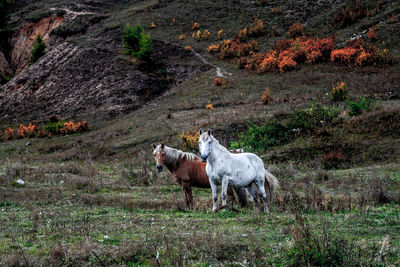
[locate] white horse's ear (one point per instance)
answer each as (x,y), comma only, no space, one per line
(200,131)
(154,146)
(162,146)
(209,132)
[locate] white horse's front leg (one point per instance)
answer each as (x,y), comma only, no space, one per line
(224,188)
(214,190)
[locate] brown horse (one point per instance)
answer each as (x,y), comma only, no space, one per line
(188,170)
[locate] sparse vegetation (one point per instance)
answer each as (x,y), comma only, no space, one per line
(357,107)
(339,92)
(190,138)
(38,50)
(266,97)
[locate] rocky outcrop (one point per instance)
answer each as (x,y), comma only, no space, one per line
(86,83)
(23,40)
(89,80)
(5,67)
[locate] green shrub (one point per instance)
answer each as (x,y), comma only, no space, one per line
(314,117)
(313,245)
(263,137)
(54,127)
(136,43)
(357,107)
(38,49)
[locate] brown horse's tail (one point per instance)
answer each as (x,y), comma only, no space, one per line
(271,183)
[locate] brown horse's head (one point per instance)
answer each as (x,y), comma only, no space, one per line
(159,156)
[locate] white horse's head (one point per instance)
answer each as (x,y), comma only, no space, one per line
(205,141)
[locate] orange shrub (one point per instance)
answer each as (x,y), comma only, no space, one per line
(242,62)
(26,131)
(214,48)
(209,106)
(286,63)
(218,81)
(371,34)
(236,48)
(182,37)
(296,30)
(345,55)
(152,25)
(70,127)
(266,97)
(339,92)
(285,55)
(205,35)
(8,134)
(188,47)
(220,34)
(348,15)
(258,29)
(196,26)
(269,63)
(197,35)
(43,133)
(190,138)
(365,58)
(277,10)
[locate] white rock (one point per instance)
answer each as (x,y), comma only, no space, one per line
(19,181)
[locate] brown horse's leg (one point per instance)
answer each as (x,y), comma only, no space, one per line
(231,196)
(188,194)
(242,196)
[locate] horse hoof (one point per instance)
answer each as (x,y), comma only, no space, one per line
(223,207)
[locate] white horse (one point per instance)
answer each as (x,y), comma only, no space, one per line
(241,170)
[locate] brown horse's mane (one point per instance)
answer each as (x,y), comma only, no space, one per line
(172,155)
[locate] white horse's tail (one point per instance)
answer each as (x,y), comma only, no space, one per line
(271,182)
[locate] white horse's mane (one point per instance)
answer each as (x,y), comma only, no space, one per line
(172,155)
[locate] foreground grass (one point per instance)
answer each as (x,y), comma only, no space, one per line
(98,221)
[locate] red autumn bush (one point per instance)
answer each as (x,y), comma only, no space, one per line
(8,134)
(296,30)
(218,81)
(285,55)
(371,34)
(257,30)
(71,127)
(233,49)
(286,63)
(26,131)
(345,55)
(43,133)
(358,53)
(348,15)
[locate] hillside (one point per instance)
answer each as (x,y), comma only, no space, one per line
(95,198)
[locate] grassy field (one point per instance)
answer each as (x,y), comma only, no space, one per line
(95,198)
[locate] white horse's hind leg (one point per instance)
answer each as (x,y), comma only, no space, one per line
(214,189)
(260,186)
(224,189)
